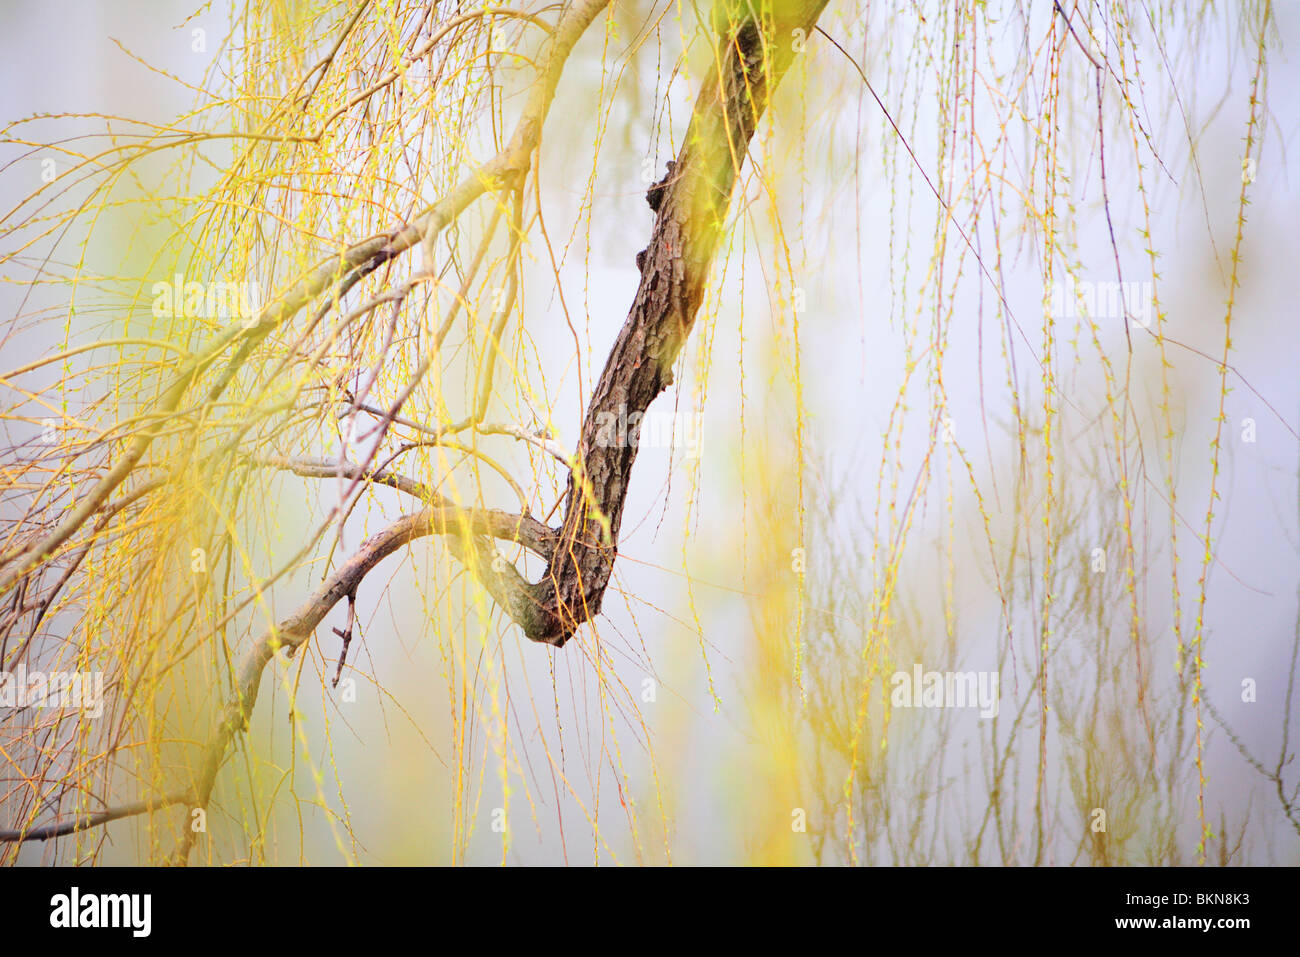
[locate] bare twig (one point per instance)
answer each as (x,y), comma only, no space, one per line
(60,828)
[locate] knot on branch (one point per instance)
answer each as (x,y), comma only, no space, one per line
(654,196)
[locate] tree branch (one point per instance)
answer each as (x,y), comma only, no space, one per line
(84,823)
(470,529)
(299,626)
(691,203)
(350,265)
(445,517)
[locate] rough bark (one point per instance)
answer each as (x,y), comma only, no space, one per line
(691,203)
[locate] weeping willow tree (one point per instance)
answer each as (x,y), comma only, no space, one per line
(341,273)
(1079,508)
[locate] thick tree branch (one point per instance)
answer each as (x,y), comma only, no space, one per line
(691,203)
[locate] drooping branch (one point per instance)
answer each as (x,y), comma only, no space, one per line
(292,631)
(691,205)
(336,272)
(475,526)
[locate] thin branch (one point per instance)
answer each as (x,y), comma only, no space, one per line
(445,516)
(360,258)
(294,630)
(60,828)
(543,441)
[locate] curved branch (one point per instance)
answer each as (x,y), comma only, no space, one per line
(445,517)
(691,203)
(501,579)
(354,262)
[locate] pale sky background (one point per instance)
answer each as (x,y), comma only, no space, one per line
(58,56)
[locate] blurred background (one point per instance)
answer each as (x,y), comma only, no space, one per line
(900,439)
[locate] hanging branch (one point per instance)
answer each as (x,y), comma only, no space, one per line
(691,204)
